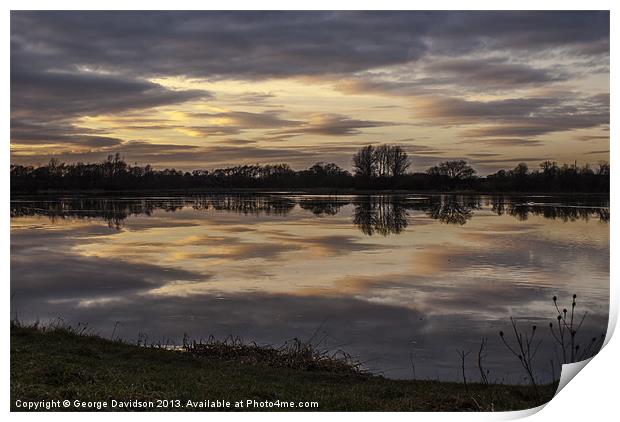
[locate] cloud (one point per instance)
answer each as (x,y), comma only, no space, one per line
(82,276)
(61,95)
(66,65)
(332,124)
(516,117)
(445,75)
(503,142)
(490,73)
(38,133)
(209,44)
(453,110)
(186,156)
(235,122)
(252,98)
(44,104)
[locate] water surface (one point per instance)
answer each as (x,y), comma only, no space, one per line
(400,282)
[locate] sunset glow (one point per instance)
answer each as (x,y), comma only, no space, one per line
(211,89)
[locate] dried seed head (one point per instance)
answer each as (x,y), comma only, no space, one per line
(555,298)
(574,296)
(501,334)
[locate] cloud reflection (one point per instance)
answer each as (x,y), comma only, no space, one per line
(383,277)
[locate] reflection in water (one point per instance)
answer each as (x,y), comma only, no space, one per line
(564,212)
(321,206)
(113,211)
(451,209)
(244,204)
(383,277)
(383,214)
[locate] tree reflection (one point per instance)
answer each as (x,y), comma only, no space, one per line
(380,214)
(322,206)
(244,204)
(521,209)
(113,211)
(452,209)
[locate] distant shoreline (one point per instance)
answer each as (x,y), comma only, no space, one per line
(296,191)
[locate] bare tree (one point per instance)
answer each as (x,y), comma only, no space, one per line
(364,162)
(398,160)
(382,161)
(382,157)
(456,170)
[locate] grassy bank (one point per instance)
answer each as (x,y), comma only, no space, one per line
(58,364)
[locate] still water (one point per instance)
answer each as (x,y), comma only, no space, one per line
(400,282)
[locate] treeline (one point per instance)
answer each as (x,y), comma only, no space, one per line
(382,167)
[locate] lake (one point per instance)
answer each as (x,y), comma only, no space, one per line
(401,282)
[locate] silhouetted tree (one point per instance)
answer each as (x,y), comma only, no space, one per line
(364,162)
(452,174)
(376,168)
(456,170)
(399,161)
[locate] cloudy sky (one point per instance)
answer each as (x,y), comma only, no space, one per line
(208,89)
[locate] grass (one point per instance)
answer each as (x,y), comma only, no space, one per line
(63,364)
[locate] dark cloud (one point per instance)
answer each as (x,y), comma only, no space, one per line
(483,154)
(37,133)
(593,137)
(253,99)
(439,75)
(210,44)
(517,117)
(66,65)
(490,73)
(503,142)
(61,95)
(43,104)
(239,141)
(331,124)
(247,120)
(236,122)
(453,110)
(501,118)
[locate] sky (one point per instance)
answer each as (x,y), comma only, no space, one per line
(211,89)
